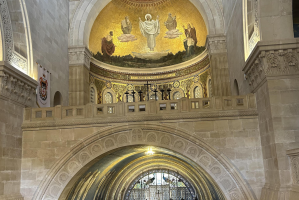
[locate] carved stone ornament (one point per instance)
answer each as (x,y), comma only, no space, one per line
(216,44)
(294,159)
(269,63)
(79,56)
(16,88)
(15,59)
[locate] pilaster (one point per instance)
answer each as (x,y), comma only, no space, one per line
(17,91)
(216,45)
(272,71)
(79,62)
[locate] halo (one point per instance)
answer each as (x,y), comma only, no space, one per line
(147,16)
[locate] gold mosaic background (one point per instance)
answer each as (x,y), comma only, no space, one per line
(111,16)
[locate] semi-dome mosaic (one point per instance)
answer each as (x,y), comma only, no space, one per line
(147,34)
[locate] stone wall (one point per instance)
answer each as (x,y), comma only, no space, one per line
(231,131)
(16,91)
(233,16)
(49,33)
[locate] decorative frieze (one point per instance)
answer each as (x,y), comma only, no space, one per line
(216,44)
(17,87)
(265,62)
(79,56)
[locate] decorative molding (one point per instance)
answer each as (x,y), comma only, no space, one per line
(79,56)
(16,86)
(12,197)
(294,158)
(271,61)
(15,59)
(216,44)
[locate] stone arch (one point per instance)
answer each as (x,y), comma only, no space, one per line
(87,11)
(17,58)
(230,181)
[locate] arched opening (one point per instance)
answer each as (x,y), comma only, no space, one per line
(197,92)
(57,98)
(108,98)
(93,95)
(106,163)
(296,18)
(236,88)
(210,89)
(177,95)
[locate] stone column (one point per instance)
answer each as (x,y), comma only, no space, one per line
(216,45)
(17,91)
(79,62)
(272,71)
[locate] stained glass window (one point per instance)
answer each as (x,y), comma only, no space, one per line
(160,184)
(108,97)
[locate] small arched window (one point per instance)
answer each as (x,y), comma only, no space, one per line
(92,95)
(130,98)
(57,98)
(210,88)
(177,95)
(108,98)
(197,92)
(236,88)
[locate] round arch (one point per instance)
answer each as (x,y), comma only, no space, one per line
(176,140)
(88,10)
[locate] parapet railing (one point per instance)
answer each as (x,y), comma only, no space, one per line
(151,107)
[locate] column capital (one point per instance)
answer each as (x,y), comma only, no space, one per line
(216,44)
(16,86)
(79,55)
(272,60)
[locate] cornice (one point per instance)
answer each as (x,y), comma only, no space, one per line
(272,59)
(79,55)
(16,86)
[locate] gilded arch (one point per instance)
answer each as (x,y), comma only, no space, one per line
(229,179)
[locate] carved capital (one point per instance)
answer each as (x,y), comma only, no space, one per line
(16,86)
(79,56)
(294,158)
(271,61)
(216,44)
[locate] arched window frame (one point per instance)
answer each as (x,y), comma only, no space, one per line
(192,92)
(174,90)
(92,86)
(250,43)
(111,92)
(209,87)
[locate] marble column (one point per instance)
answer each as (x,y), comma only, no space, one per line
(272,71)
(17,91)
(216,45)
(79,62)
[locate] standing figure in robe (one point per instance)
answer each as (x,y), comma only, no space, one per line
(126,25)
(171,23)
(191,40)
(150,29)
(108,47)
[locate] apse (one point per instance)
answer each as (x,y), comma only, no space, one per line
(147,34)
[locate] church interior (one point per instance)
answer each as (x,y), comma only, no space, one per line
(149,100)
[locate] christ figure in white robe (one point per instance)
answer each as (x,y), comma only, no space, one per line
(150,29)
